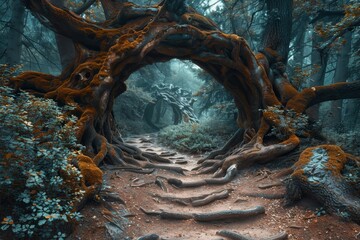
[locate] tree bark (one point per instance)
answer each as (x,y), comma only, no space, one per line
(110,7)
(277,34)
(341,74)
(15,33)
(318,69)
(107,56)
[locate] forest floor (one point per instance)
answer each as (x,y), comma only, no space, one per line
(113,220)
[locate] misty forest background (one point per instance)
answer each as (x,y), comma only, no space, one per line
(159,95)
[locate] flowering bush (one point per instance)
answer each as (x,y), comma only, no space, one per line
(39,183)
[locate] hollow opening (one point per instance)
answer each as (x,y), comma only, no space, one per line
(179,104)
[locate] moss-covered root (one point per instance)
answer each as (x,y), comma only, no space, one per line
(319,173)
(237,236)
(210,216)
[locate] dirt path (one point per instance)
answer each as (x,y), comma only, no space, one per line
(112,220)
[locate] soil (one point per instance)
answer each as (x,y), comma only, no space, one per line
(110,219)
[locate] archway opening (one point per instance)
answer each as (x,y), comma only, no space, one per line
(179,104)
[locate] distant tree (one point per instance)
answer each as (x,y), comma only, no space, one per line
(15,33)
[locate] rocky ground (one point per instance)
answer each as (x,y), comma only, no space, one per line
(111,218)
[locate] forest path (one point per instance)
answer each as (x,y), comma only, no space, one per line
(113,220)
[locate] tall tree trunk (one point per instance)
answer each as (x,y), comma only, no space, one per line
(299,42)
(121,50)
(14,36)
(341,74)
(351,114)
(65,45)
(318,67)
(277,34)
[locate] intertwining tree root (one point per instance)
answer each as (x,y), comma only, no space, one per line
(230,174)
(107,53)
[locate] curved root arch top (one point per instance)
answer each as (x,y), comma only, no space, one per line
(136,36)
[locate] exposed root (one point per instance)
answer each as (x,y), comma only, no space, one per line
(259,153)
(280,236)
(118,155)
(211,198)
(229,214)
(149,237)
(211,216)
(270,185)
(156,158)
(248,154)
(237,236)
(209,166)
(282,173)
(168,215)
(233,141)
(163,166)
(160,182)
(230,175)
(266,195)
(131,169)
(197,201)
(111,197)
(232,235)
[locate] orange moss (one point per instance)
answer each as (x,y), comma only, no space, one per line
(38,82)
(335,163)
(91,173)
(304,159)
(102,153)
(337,159)
(271,118)
(262,60)
(286,90)
(300,102)
(86,119)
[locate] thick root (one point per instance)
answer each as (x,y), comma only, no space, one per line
(249,154)
(232,235)
(265,195)
(230,175)
(233,141)
(318,173)
(211,216)
(197,201)
(149,237)
(237,236)
(270,185)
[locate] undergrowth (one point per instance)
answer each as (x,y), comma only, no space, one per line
(197,137)
(39,183)
(348,141)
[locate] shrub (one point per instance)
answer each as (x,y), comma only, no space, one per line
(195,137)
(39,184)
(290,122)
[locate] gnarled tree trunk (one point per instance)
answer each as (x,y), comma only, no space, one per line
(107,53)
